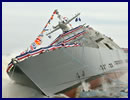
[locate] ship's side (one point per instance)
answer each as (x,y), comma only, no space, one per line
(55,71)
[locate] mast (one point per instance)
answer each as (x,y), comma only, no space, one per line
(62,24)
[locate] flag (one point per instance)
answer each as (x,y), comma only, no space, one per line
(46,25)
(52,17)
(43,31)
(54,12)
(38,41)
(33,46)
(41,35)
(79,19)
(49,21)
(46,29)
(76,19)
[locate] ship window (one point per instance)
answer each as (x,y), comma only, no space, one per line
(108,46)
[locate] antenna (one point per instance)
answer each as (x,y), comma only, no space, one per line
(62,25)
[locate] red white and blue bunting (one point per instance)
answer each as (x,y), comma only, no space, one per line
(62,35)
(10,65)
(72,37)
(39,51)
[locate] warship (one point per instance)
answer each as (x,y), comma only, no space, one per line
(77,55)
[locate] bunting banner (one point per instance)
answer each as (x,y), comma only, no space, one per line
(72,37)
(39,51)
(51,18)
(10,65)
(44,49)
(62,35)
(38,40)
(23,56)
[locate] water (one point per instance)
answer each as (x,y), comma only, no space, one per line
(117,89)
(10,89)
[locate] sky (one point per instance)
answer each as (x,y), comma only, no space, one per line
(23,21)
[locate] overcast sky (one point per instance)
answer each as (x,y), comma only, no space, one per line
(22,22)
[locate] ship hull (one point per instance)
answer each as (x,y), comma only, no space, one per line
(63,69)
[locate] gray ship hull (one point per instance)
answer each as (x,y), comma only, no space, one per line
(55,71)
